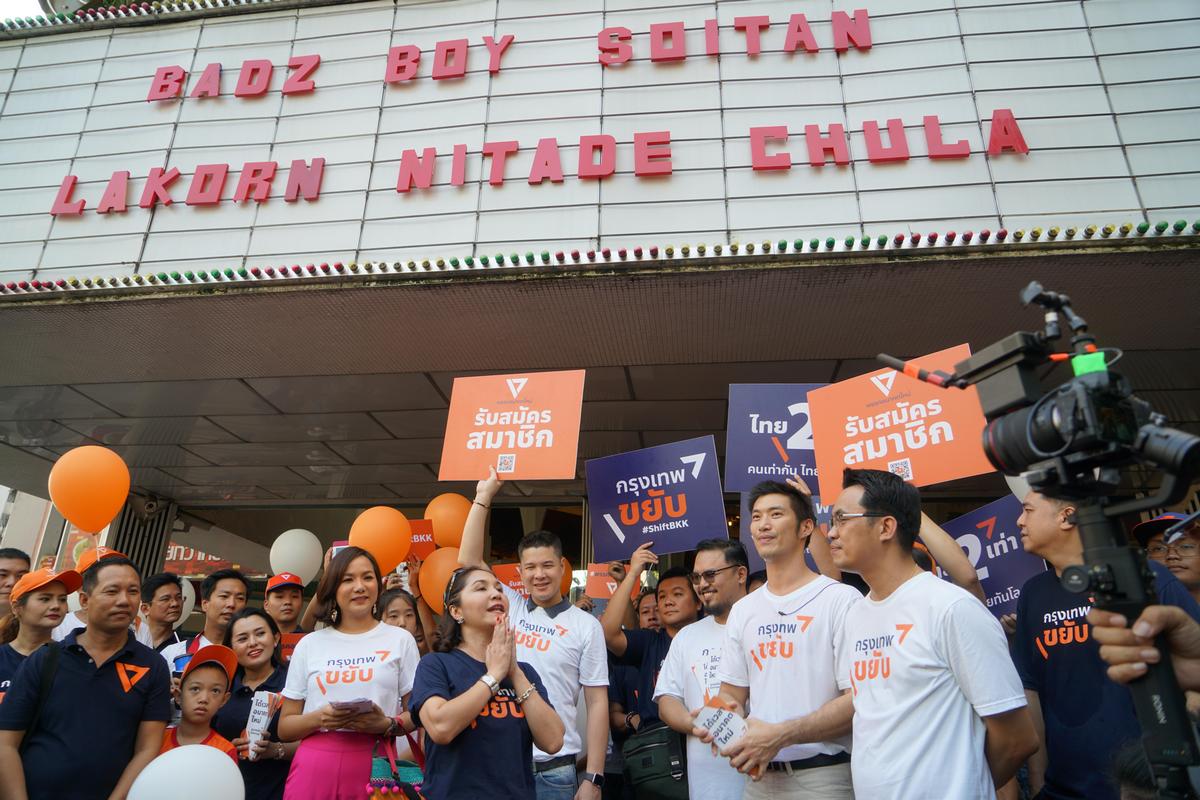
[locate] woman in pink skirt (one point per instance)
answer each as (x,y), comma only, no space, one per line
(347,684)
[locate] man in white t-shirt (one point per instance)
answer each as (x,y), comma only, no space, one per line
(222,594)
(688,678)
(938,708)
(781,648)
(563,643)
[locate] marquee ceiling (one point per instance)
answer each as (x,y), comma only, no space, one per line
(337,394)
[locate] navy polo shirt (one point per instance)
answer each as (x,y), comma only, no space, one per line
(264,778)
(89,723)
(645,652)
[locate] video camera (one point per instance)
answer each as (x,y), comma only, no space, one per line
(1071,442)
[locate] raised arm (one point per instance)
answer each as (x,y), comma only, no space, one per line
(470,549)
(619,604)
(818,545)
(950,557)
(308,621)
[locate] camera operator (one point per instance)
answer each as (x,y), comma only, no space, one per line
(1083,718)
(1127,650)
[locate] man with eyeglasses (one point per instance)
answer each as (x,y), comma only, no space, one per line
(689,675)
(1084,718)
(162,605)
(1178,555)
(779,660)
(938,706)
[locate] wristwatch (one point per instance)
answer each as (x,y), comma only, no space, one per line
(490,682)
(596,778)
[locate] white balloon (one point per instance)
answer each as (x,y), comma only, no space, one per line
(190,772)
(297,551)
(73,602)
(189,601)
(1018,485)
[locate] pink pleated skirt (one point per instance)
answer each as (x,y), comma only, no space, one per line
(330,766)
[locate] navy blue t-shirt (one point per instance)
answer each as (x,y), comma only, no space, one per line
(1088,718)
(10,662)
(493,756)
(265,777)
(645,652)
(89,723)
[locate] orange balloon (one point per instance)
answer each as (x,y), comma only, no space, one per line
(89,486)
(435,574)
(448,513)
(384,533)
(566,581)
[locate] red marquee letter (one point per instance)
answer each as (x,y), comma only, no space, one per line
(937,147)
(458,166)
(712,37)
(1006,134)
(652,153)
(547,164)
(155,190)
(304,180)
(115,194)
(588,146)
(416,169)
(498,152)
(209,82)
(663,32)
(402,63)
(834,142)
(876,152)
(450,59)
(255,78)
(255,182)
(614,46)
(799,33)
(496,50)
(167,83)
(758,148)
(845,31)
(63,205)
(753,26)
(298,82)
(207,183)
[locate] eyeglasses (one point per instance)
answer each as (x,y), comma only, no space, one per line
(1182,549)
(840,518)
(708,574)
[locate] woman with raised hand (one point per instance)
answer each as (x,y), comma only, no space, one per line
(481,709)
(347,684)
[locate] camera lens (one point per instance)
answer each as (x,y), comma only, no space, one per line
(1006,440)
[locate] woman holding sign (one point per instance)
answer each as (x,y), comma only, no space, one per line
(264,760)
(347,684)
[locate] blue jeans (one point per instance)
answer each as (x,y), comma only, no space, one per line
(556,784)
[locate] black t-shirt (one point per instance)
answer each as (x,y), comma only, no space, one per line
(493,756)
(89,723)
(10,662)
(264,778)
(623,689)
(645,652)
(1088,718)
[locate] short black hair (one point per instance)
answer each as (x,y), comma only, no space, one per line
(801,503)
(642,595)
(1132,774)
(209,584)
(15,554)
(758,575)
(206,665)
(678,572)
(888,494)
(91,575)
(151,585)
(539,539)
(733,550)
(387,597)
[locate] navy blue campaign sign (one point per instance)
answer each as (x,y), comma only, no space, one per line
(768,435)
(993,544)
(669,495)
(756,562)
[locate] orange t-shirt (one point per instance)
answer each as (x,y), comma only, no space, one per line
(171,741)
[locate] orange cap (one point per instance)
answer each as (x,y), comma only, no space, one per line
(284,579)
(213,654)
(31,581)
(90,557)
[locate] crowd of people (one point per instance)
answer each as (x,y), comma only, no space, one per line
(868,676)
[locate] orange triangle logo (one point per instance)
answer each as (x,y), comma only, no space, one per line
(130,674)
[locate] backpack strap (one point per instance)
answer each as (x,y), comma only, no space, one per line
(45,682)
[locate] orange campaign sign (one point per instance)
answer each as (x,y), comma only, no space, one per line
(884,420)
(600,585)
(422,538)
(525,425)
(510,577)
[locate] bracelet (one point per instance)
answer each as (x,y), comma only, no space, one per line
(629,720)
(525,695)
(481,505)
(280,752)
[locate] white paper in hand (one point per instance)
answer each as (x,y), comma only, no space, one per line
(725,726)
(262,707)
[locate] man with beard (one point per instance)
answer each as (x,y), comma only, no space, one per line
(689,675)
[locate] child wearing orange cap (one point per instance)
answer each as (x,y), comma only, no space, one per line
(203,689)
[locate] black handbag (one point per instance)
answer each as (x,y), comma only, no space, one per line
(656,764)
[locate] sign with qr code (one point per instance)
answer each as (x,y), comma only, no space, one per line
(768,434)
(524,425)
(889,421)
(669,495)
(992,541)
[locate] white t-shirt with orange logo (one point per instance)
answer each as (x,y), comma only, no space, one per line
(329,665)
(566,647)
(925,665)
(785,649)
